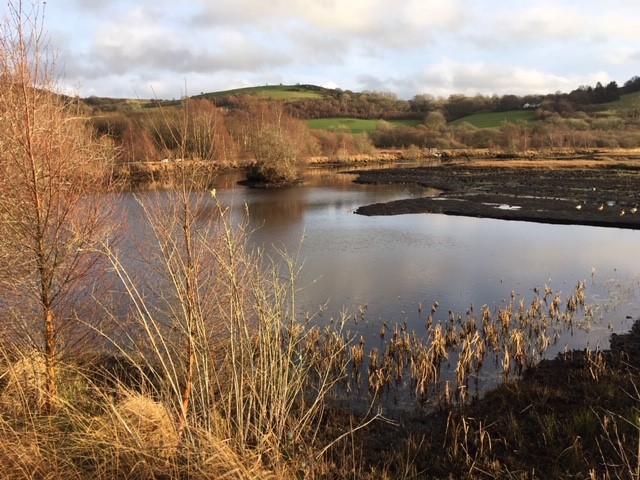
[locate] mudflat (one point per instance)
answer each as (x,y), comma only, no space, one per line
(597,190)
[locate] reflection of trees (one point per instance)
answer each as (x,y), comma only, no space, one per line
(322,177)
(279,210)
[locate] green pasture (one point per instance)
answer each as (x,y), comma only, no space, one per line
(625,106)
(496,119)
(273,92)
(354,125)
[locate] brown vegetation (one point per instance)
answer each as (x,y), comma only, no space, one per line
(206,372)
(275,142)
(48,226)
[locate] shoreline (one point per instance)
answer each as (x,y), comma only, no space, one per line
(593,192)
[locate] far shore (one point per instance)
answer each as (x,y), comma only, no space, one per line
(596,187)
(589,188)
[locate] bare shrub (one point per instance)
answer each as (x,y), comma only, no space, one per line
(136,145)
(277,144)
(224,338)
(327,141)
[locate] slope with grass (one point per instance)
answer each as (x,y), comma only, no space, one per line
(627,105)
(272,92)
(354,125)
(496,119)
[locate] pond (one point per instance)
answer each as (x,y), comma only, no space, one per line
(392,269)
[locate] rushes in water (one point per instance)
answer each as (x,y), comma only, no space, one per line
(554,307)
(516,338)
(516,342)
(357,357)
(506,363)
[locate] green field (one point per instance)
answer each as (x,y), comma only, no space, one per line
(273,92)
(355,125)
(496,119)
(626,105)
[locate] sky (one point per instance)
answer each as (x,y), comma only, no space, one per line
(171,48)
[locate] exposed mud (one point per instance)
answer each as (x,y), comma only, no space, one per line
(598,192)
(556,421)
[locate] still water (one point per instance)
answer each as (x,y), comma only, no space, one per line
(395,264)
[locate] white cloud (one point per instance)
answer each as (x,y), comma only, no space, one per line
(387,25)
(133,45)
(408,47)
(544,22)
(624,56)
(448,77)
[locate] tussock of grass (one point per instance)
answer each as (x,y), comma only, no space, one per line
(24,380)
(135,434)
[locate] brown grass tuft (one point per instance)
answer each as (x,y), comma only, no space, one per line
(24,384)
(135,438)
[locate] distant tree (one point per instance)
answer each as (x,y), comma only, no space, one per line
(465,134)
(510,102)
(435,121)
(632,85)
(276,143)
(207,137)
(112,125)
(458,106)
(611,92)
(136,145)
(422,104)
(515,136)
(598,95)
(556,104)
(485,138)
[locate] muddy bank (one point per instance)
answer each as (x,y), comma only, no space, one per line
(597,192)
(568,417)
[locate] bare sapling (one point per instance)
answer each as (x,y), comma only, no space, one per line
(181,260)
(51,169)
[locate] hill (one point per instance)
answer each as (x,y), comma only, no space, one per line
(627,105)
(287,93)
(496,119)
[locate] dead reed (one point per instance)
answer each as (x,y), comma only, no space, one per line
(516,335)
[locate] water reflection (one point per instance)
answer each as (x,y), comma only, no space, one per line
(393,265)
(390,270)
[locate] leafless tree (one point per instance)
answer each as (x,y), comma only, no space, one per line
(51,172)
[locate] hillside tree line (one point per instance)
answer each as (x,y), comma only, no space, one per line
(236,129)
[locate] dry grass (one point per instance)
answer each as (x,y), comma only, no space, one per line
(24,381)
(135,437)
(238,375)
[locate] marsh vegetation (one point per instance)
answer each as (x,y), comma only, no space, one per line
(176,346)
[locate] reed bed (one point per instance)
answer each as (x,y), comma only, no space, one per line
(510,339)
